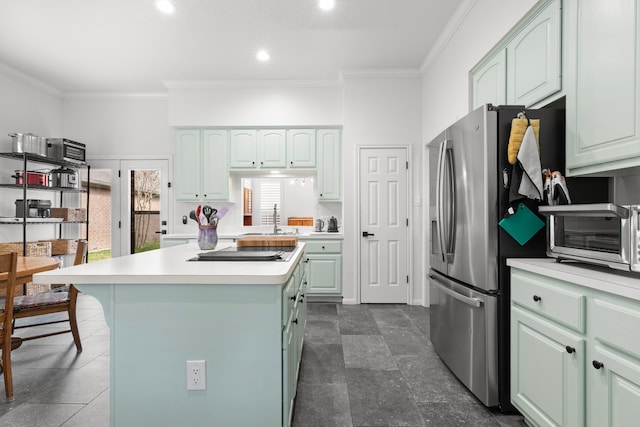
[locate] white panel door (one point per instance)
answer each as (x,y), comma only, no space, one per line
(383,225)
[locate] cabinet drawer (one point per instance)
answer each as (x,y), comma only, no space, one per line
(616,324)
(550,298)
(289,295)
(322,246)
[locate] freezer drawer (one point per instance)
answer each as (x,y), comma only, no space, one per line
(464,334)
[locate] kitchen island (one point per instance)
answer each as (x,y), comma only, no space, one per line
(244,319)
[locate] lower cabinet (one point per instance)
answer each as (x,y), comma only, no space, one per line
(575,353)
(324,268)
(294,319)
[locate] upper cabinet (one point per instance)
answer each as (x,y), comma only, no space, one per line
(243,152)
(525,67)
(534,58)
(489,82)
(202,171)
(329,165)
(272,148)
(301,148)
(603,98)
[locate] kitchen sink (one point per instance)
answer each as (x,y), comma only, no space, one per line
(271,234)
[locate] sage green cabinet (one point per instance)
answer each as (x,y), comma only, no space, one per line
(489,81)
(603,100)
(243,150)
(614,363)
(329,165)
(301,148)
(272,148)
(526,66)
(294,320)
(324,267)
(534,57)
(575,356)
(202,171)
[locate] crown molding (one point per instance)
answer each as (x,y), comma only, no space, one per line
(382,73)
(449,30)
(116,95)
(23,77)
(235,84)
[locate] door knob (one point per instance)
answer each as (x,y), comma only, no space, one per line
(367,234)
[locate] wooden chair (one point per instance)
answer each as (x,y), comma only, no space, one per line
(55,301)
(8,264)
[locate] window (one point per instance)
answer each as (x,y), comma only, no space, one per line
(270,196)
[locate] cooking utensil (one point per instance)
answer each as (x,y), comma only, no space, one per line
(193,216)
(64,177)
(33,178)
(222,212)
(27,143)
(203,219)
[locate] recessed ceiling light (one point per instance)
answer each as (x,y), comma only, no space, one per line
(263,55)
(326,4)
(165,6)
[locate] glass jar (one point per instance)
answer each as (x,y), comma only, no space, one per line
(207,236)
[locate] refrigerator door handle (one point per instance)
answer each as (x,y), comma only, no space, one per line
(440,200)
(451,224)
(474,302)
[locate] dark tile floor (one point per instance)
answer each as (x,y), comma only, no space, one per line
(365,365)
(373,365)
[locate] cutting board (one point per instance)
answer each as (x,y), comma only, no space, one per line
(268,241)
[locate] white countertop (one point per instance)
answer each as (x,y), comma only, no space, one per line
(601,278)
(171,266)
(324,235)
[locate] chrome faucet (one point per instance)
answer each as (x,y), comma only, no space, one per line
(275,219)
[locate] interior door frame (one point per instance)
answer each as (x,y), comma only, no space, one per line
(114,162)
(358,230)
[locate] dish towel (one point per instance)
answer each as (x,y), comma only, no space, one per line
(519,127)
(529,159)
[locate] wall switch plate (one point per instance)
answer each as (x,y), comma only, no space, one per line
(196,375)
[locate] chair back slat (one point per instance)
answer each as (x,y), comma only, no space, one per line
(81,252)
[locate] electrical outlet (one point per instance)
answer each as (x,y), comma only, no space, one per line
(196,375)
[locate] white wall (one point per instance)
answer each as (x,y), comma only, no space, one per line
(26,106)
(383,110)
(260,104)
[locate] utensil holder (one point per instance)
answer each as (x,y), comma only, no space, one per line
(207,236)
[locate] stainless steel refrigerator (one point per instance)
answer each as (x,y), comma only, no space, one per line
(468,276)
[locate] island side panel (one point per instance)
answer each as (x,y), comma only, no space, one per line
(236,329)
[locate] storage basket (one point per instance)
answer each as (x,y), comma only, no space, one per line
(69,214)
(32,248)
(62,246)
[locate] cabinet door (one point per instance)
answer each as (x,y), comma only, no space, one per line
(243,149)
(215,165)
(614,389)
(489,85)
(603,99)
(272,149)
(324,273)
(288,375)
(533,58)
(301,148)
(329,165)
(187,183)
(547,371)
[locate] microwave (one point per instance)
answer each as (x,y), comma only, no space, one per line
(603,234)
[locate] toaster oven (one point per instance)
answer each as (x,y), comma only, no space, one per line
(602,233)
(67,150)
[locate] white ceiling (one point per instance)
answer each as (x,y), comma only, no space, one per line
(128,46)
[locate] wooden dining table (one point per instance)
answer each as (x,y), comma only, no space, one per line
(30,265)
